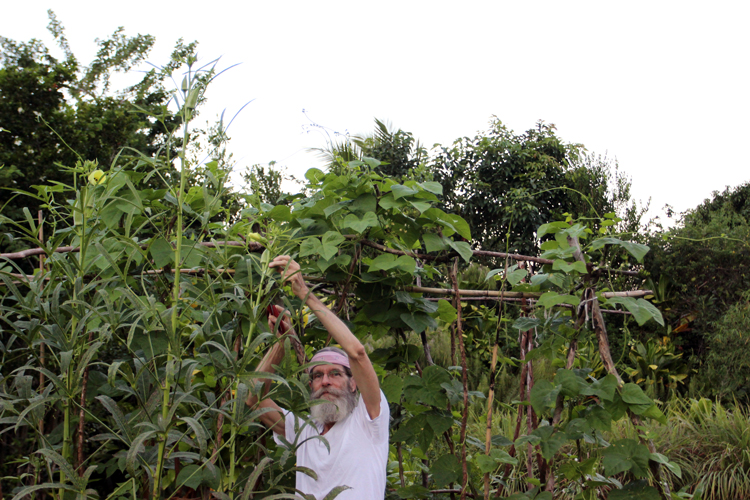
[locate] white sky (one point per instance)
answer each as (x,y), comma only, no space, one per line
(658,85)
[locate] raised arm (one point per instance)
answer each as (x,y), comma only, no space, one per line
(272,419)
(361,366)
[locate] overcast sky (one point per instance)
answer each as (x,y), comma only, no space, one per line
(660,86)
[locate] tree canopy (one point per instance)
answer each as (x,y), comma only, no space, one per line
(56,112)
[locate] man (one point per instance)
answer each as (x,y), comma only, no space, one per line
(356,427)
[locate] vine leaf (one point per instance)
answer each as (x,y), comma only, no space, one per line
(351,221)
(445,470)
(626,455)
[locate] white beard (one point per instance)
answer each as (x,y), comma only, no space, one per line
(333,411)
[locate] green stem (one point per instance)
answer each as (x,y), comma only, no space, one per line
(67,439)
(233,446)
(173,352)
(159,467)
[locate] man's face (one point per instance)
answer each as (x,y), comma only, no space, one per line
(330,376)
(331,383)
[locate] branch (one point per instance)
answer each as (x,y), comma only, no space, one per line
(251,245)
(518,295)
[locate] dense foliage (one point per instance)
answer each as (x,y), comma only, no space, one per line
(700,271)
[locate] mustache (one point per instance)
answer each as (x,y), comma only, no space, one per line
(330,390)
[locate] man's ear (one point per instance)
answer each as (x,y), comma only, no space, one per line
(352,384)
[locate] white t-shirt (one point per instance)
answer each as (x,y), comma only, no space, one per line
(358,457)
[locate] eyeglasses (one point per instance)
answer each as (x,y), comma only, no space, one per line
(333,374)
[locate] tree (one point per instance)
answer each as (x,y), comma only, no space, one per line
(47,132)
(401,156)
(507,184)
(701,268)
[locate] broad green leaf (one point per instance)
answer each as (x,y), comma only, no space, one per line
(419,321)
(433,376)
(330,242)
(445,470)
(543,396)
(392,386)
(372,163)
(406,264)
(332,209)
(439,422)
(515,277)
(569,382)
(359,225)
(500,440)
(551,441)
(420,205)
(525,323)
(314,175)
(641,314)
(364,203)
(604,388)
(389,202)
(280,213)
(561,265)
(551,228)
(632,394)
(432,187)
(310,246)
(400,191)
(460,225)
(446,312)
(577,428)
(332,238)
(652,310)
(598,418)
(673,467)
(191,476)
(434,242)
(382,262)
(638,490)
(637,250)
(655,413)
(626,455)
(463,249)
(551,299)
(485,463)
(162,252)
(413,491)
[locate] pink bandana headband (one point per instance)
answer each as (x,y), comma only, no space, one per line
(331,357)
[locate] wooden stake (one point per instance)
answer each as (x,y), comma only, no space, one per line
(464,379)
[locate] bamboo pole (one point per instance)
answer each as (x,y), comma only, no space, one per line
(518,295)
(464,379)
(491,397)
(251,245)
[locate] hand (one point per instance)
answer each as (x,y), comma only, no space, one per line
(285,328)
(290,272)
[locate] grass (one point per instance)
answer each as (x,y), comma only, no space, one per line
(709,441)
